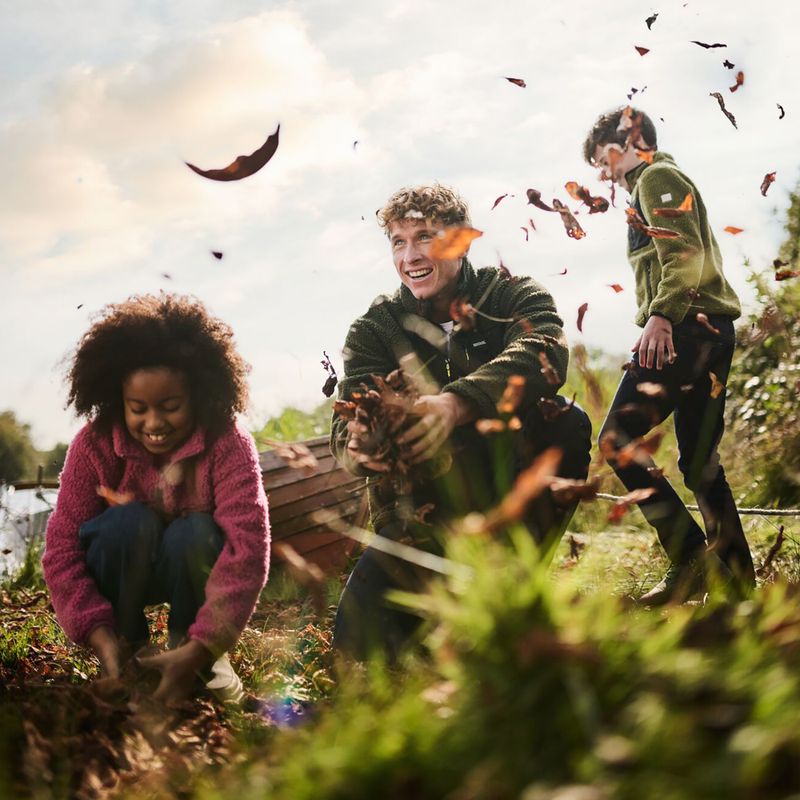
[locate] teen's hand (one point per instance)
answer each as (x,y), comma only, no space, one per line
(179,668)
(105,645)
(656,340)
(440,414)
(358,432)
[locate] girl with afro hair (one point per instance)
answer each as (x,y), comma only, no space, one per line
(161,498)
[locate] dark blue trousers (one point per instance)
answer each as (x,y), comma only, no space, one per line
(137,560)
(699,423)
(482,469)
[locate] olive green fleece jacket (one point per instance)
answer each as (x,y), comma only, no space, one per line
(475,364)
(675,277)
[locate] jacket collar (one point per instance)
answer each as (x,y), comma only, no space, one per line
(633,176)
(127,447)
(467,281)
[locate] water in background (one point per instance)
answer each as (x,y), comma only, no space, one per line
(23,518)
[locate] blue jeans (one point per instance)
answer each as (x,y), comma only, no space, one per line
(137,560)
(479,477)
(699,423)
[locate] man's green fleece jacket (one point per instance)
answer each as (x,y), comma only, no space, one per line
(516,322)
(675,277)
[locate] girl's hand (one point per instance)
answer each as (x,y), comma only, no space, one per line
(179,668)
(105,644)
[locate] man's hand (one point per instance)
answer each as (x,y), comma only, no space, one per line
(440,414)
(179,669)
(358,432)
(656,339)
(105,644)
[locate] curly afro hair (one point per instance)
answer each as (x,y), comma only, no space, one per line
(435,202)
(164,330)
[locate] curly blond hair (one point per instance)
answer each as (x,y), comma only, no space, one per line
(434,202)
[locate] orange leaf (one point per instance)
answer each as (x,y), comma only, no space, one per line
(685,206)
(645,155)
(616,287)
(732,229)
(717,388)
(453,242)
(114,498)
(739,81)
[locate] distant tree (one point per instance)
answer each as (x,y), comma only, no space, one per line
(293,425)
(18,457)
(53,460)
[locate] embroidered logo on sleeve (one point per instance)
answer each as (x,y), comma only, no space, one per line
(665,198)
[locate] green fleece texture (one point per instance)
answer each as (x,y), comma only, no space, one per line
(675,277)
(396,325)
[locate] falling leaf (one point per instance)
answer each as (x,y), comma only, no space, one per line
(494,205)
(295,455)
(636,222)
(704,321)
(453,242)
(512,395)
(732,229)
(517,82)
(621,507)
(487,427)
(769,178)
(463,313)
(563,272)
(535,198)
(616,287)
(166,275)
(650,20)
(650,389)
(785,274)
(637,451)
(581,313)
(421,514)
(550,375)
(777,263)
(80,305)
(582,194)
(523,228)
(781,112)
(685,206)
(642,51)
(355,143)
(571,225)
(708,46)
(646,155)
(242,166)
(739,81)
(217,254)
(114,498)
(725,111)
(552,409)
(330,382)
(728,64)
(532,224)
(717,388)
(566,491)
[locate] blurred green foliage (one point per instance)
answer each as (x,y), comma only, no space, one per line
(293,425)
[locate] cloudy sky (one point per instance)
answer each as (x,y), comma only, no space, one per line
(101,104)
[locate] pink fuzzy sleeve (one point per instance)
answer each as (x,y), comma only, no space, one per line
(79,606)
(240,572)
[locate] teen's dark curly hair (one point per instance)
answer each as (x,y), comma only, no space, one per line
(165,330)
(606,130)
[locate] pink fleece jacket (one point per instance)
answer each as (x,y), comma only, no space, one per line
(221,477)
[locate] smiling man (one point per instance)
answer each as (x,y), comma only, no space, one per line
(514,332)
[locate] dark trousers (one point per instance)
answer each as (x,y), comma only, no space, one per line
(138,560)
(699,423)
(481,473)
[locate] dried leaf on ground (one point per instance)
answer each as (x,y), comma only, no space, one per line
(242,166)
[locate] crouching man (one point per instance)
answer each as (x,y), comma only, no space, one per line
(461,333)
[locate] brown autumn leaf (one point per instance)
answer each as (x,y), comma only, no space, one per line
(217,254)
(582,309)
(535,198)
(732,229)
(642,51)
(616,287)
(651,389)
(551,409)
(242,166)
(739,81)
(769,179)
(550,375)
(781,112)
(113,497)
(635,221)
(685,206)
(453,242)
(294,454)
(703,320)
(487,427)
(638,450)
(496,202)
(522,227)
(597,205)
(566,490)
(717,388)
(708,46)
(571,225)
(645,155)
(785,274)
(721,101)
(622,506)
(330,382)
(527,487)
(517,82)
(650,20)
(463,313)
(512,395)
(728,64)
